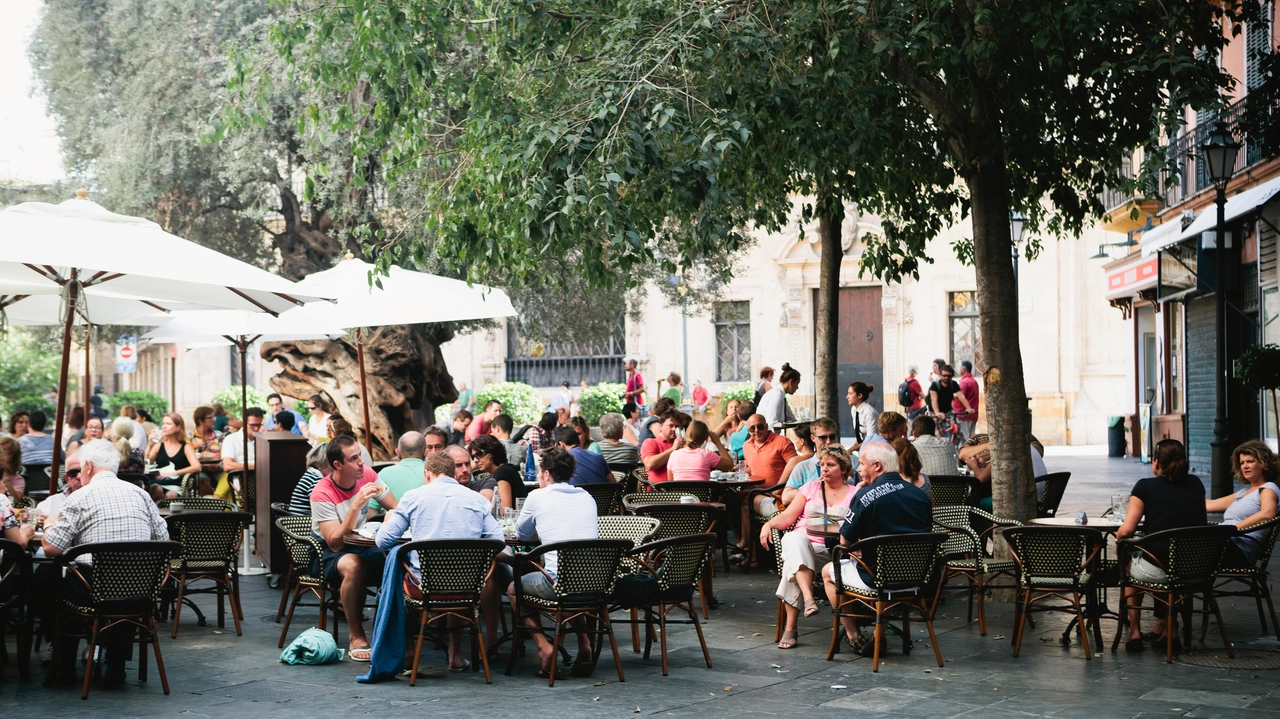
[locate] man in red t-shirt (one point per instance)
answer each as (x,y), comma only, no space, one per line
(635,385)
(969,388)
(480,425)
(339,505)
(656,451)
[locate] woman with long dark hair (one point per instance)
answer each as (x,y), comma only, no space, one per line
(1171,499)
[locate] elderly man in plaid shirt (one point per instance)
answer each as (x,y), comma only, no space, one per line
(105,509)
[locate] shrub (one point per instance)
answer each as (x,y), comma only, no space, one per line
(518,399)
(31,403)
(27,372)
(230,399)
(744,392)
(150,402)
(596,401)
(444,413)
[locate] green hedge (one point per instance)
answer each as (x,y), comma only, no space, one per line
(229,398)
(603,398)
(150,402)
(518,399)
(744,392)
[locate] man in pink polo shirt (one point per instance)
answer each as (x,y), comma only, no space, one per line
(656,451)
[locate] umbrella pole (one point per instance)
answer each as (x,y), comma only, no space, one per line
(55,463)
(364,387)
(243,345)
(88,385)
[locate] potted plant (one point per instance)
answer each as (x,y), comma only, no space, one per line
(1258,368)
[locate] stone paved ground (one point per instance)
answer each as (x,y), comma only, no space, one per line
(215,673)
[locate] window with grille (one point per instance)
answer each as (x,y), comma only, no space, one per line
(966,339)
(733,341)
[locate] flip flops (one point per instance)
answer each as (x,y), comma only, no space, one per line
(366,651)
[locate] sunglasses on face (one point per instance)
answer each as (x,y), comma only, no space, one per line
(756,427)
(947,376)
(824,437)
(73,473)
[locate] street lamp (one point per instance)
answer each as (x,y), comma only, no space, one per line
(1017,224)
(1219,155)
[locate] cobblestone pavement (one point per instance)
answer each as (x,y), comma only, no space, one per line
(214,673)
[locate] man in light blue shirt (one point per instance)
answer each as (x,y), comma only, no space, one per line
(440,509)
(276,405)
(823,433)
(556,512)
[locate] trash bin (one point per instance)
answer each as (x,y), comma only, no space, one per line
(1115,437)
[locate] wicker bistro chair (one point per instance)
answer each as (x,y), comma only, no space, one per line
(15,595)
(674,565)
(905,566)
(608,497)
(1255,577)
(1195,555)
(638,530)
(127,577)
(949,489)
(679,520)
(245,486)
(209,541)
(199,504)
(631,501)
(452,574)
(1055,563)
(1055,485)
(704,491)
(304,574)
(965,555)
(281,509)
(586,572)
(641,483)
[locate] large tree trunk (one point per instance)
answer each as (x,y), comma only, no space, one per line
(830,209)
(1008,422)
(405,369)
(405,372)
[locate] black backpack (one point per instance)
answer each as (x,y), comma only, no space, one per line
(904,393)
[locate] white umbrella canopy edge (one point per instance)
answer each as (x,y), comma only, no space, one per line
(37,240)
(405,297)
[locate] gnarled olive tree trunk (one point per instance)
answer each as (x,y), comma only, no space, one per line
(405,372)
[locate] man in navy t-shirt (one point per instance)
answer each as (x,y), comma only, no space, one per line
(885,503)
(591,468)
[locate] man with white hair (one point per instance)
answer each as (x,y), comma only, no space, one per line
(885,503)
(105,509)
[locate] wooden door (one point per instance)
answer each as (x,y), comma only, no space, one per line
(859,350)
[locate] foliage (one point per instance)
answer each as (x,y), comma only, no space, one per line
(596,401)
(150,402)
(744,392)
(444,413)
(31,403)
(1258,367)
(27,373)
(300,406)
(229,398)
(518,399)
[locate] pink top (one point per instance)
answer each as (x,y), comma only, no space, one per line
(691,465)
(836,510)
(699,395)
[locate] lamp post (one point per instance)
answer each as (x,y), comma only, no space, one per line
(1017,223)
(1219,155)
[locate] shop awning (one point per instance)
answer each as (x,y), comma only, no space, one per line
(1131,275)
(1160,237)
(1241,204)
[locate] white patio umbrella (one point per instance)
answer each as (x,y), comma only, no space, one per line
(402,297)
(74,248)
(241,329)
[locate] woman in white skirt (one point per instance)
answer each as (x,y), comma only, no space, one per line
(803,556)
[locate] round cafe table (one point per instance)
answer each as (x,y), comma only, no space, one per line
(1106,524)
(353,539)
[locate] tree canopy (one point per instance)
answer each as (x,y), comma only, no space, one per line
(629,132)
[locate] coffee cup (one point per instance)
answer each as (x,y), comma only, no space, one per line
(176,507)
(687,499)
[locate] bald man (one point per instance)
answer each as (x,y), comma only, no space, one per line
(408,473)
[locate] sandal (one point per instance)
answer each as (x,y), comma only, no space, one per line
(1134,646)
(810,608)
(582,668)
(366,653)
(788,641)
(466,664)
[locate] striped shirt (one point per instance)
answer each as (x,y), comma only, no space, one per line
(107,509)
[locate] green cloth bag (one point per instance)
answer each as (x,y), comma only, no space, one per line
(314,646)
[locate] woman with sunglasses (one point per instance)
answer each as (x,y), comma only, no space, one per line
(488,456)
(803,555)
